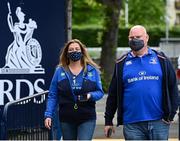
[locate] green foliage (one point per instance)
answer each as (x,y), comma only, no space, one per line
(155,33)
(145,12)
(123,37)
(175,32)
(87,12)
(91,35)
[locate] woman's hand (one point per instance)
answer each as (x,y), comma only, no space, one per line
(84,97)
(48,123)
(88,96)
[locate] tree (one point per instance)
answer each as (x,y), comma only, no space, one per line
(110,36)
(146,12)
(87,12)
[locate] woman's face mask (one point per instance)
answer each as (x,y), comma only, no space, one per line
(136,44)
(75,55)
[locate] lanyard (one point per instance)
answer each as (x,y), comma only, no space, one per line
(74,96)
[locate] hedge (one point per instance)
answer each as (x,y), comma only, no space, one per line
(91,36)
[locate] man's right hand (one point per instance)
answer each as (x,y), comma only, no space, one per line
(48,123)
(107,128)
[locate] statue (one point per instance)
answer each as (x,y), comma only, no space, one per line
(24,52)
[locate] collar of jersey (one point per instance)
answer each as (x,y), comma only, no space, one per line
(131,56)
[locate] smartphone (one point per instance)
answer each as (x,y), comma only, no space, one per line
(109,133)
(82,98)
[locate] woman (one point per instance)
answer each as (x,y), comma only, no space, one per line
(75,86)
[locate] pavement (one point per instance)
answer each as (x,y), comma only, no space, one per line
(175,139)
(99,131)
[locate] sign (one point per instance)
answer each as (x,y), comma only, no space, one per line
(31,36)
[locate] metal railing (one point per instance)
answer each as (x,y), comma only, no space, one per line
(23,119)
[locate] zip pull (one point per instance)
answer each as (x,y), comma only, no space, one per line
(75,106)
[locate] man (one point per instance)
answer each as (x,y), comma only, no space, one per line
(143,90)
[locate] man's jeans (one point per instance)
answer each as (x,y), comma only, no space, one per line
(146,130)
(73,131)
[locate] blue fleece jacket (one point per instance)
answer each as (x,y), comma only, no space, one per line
(61,93)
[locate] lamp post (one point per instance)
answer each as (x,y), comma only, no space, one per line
(69,20)
(126,13)
(167,21)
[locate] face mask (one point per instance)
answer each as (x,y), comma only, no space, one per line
(136,44)
(75,56)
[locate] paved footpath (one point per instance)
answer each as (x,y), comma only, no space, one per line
(99,131)
(175,139)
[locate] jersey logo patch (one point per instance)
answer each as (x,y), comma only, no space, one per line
(153,60)
(128,63)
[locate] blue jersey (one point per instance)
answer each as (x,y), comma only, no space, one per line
(142,78)
(76,81)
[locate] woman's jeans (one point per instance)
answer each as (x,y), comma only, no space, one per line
(74,131)
(146,130)
(56,130)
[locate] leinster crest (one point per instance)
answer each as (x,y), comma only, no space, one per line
(24,54)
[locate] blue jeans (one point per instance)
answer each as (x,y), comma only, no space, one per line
(146,130)
(74,131)
(56,131)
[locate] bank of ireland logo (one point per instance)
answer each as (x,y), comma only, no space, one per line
(141,73)
(24,54)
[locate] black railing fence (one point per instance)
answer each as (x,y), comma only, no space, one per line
(23,119)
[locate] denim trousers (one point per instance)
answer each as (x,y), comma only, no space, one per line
(146,130)
(56,131)
(75,131)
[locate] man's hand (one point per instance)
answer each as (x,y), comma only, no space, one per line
(48,123)
(107,131)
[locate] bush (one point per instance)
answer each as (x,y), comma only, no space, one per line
(91,35)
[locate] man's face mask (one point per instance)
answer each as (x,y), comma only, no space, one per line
(75,55)
(136,44)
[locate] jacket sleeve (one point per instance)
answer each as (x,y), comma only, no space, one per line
(52,96)
(98,94)
(111,102)
(173,90)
